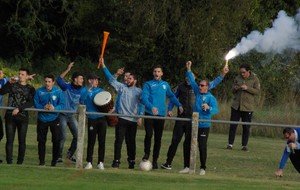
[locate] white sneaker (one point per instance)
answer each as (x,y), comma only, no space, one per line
(185,170)
(100,166)
(89,166)
(202,172)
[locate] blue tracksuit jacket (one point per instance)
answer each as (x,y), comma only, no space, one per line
(154,95)
(43,96)
(87,98)
(202,98)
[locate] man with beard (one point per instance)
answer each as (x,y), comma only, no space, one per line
(154,96)
(72,92)
(129,104)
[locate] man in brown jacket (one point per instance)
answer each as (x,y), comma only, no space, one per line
(245,88)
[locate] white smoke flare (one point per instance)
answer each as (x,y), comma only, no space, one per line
(284,35)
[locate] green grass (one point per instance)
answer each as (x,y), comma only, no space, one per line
(226,169)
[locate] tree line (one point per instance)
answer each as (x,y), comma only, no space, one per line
(46,35)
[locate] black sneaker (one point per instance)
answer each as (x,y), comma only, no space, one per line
(115,164)
(59,160)
(145,157)
(244,148)
(166,166)
(131,164)
(1,161)
(154,165)
(42,164)
(71,157)
(53,163)
(19,162)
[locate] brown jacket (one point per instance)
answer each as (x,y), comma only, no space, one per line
(245,99)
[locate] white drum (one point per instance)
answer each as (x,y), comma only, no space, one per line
(105,103)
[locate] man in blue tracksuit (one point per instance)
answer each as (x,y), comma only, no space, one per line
(130,104)
(154,98)
(48,97)
(291,150)
(72,92)
(206,105)
(186,96)
(96,123)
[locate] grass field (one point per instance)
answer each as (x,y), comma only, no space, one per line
(226,169)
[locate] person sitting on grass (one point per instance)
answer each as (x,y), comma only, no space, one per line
(291,150)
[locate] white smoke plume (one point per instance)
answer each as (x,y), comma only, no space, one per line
(284,35)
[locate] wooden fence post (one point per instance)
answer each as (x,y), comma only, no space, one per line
(81,132)
(194,136)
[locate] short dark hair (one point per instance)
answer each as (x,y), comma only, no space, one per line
(245,66)
(288,130)
(51,76)
(25,69)
(158,66)
(75,75)
(207,83)
(133,76)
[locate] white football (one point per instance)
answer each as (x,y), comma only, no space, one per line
(146,165)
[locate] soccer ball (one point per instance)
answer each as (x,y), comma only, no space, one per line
(146,165)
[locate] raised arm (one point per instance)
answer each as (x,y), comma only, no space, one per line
(67,70)
(218,79)
(107,73)
(191,77)
(119,72)
(225,70)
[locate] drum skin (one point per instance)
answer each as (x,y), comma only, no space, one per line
(104,102)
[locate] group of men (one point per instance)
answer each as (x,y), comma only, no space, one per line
(22,95)
(189,97)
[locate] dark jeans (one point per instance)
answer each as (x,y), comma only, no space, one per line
(235,116)
(125,129)
(202,143)
(96,127)
(42,131)
(180,128)
(11,125)
(156,125)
